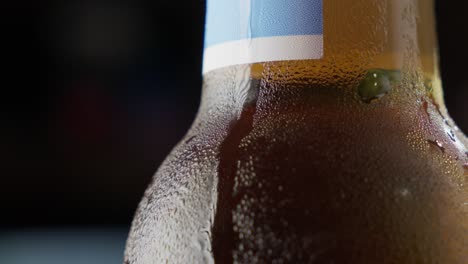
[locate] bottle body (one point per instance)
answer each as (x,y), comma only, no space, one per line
(348,159)
(340,181)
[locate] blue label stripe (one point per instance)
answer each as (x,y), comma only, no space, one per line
(231,20)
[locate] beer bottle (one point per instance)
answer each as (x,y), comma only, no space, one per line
(322,137)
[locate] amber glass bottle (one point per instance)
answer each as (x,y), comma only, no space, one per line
(322,137)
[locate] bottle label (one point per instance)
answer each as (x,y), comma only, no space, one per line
(252,31)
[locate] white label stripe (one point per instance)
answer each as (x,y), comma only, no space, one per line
(256,50)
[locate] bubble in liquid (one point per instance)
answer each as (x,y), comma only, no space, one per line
(377,83)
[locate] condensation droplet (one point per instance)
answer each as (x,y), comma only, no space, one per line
(451,135)
(437,144)
(377,83)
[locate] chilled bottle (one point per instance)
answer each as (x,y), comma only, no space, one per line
(322,137)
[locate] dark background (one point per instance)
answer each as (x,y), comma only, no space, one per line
(96,93)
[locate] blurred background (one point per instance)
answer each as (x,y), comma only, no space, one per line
(94,96)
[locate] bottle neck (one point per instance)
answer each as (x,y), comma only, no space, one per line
(337,42)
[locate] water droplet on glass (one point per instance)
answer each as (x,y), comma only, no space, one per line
(437,144)
(451,135)
(428,85)
(377,83)
(190,139)
(404,192)
(425,106)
